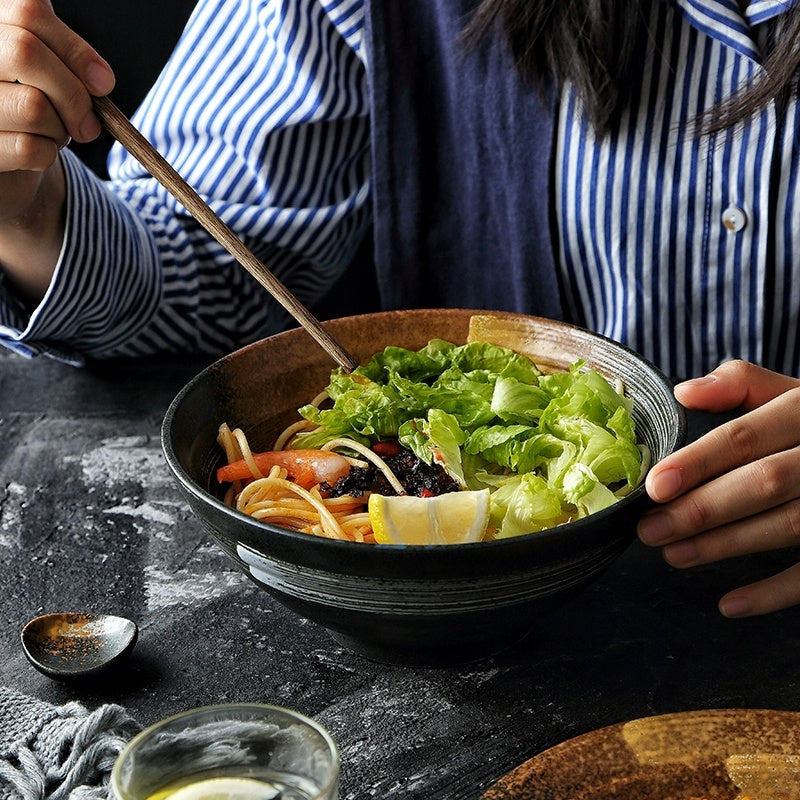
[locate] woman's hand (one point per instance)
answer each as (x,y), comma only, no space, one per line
(736,490)
(47,76)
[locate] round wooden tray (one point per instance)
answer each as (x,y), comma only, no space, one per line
(722,754)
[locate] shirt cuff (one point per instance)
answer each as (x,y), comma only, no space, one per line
(106,284)
(15,331)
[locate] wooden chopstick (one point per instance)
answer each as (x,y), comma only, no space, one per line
(120,127)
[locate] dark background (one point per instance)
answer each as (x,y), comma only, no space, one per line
(136,38)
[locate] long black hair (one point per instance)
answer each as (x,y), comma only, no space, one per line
(599,46)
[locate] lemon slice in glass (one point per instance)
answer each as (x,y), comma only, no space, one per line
(452,518)
(222,789)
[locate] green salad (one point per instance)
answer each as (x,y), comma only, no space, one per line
(550,447)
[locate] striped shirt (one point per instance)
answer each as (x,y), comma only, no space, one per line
(682,247)
(687,248)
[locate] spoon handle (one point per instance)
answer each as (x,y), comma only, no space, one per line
(127,135)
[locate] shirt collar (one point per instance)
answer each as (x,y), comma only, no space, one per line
(722,20)
(762,10)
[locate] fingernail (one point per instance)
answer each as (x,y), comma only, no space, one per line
(99,77)
(693,383)
(89,128)
(681,554)
(703,380)
(736,606)
(655,528)
(665,484)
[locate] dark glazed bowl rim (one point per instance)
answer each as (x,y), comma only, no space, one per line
(538,540)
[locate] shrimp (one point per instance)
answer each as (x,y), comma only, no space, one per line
(306,468)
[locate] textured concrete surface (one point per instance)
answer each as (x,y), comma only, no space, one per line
(90,520)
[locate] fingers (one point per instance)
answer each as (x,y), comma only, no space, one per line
(734,384)
(37,17)
(779,528)
(757,486)
(56,69)
(753,436)
(736,490)
(764,597)
(47,73)
(773,530)
(31,130)
(776,529)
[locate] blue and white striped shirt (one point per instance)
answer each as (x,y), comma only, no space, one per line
(645,215)
(264,109)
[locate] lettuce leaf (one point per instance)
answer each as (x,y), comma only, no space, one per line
(524,504)
(515,401)
(437,439)
(550,447)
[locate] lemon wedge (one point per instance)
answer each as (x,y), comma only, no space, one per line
(452,518)
(221,789)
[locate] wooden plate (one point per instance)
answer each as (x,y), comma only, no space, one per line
(724,754)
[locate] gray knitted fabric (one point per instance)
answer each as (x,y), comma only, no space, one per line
(50,752)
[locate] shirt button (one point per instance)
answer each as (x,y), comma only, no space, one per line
(734,219)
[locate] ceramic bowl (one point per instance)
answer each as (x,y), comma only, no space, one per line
(394,603)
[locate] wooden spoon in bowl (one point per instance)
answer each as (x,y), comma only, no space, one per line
(120,127)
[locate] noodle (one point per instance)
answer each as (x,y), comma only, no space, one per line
(247,453)
(228,443)
(288,433)
(276,499)
(270,494)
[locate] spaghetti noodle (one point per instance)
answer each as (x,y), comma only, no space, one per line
(276,498)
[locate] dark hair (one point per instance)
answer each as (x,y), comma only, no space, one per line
(599,46)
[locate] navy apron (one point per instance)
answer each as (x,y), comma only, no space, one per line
(462,166)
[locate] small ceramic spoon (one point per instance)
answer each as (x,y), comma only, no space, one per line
(72,645)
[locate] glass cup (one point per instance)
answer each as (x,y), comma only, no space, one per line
(229,752)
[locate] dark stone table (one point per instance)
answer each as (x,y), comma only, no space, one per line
(90,520)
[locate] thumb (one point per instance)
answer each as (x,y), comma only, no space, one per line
(732,385)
